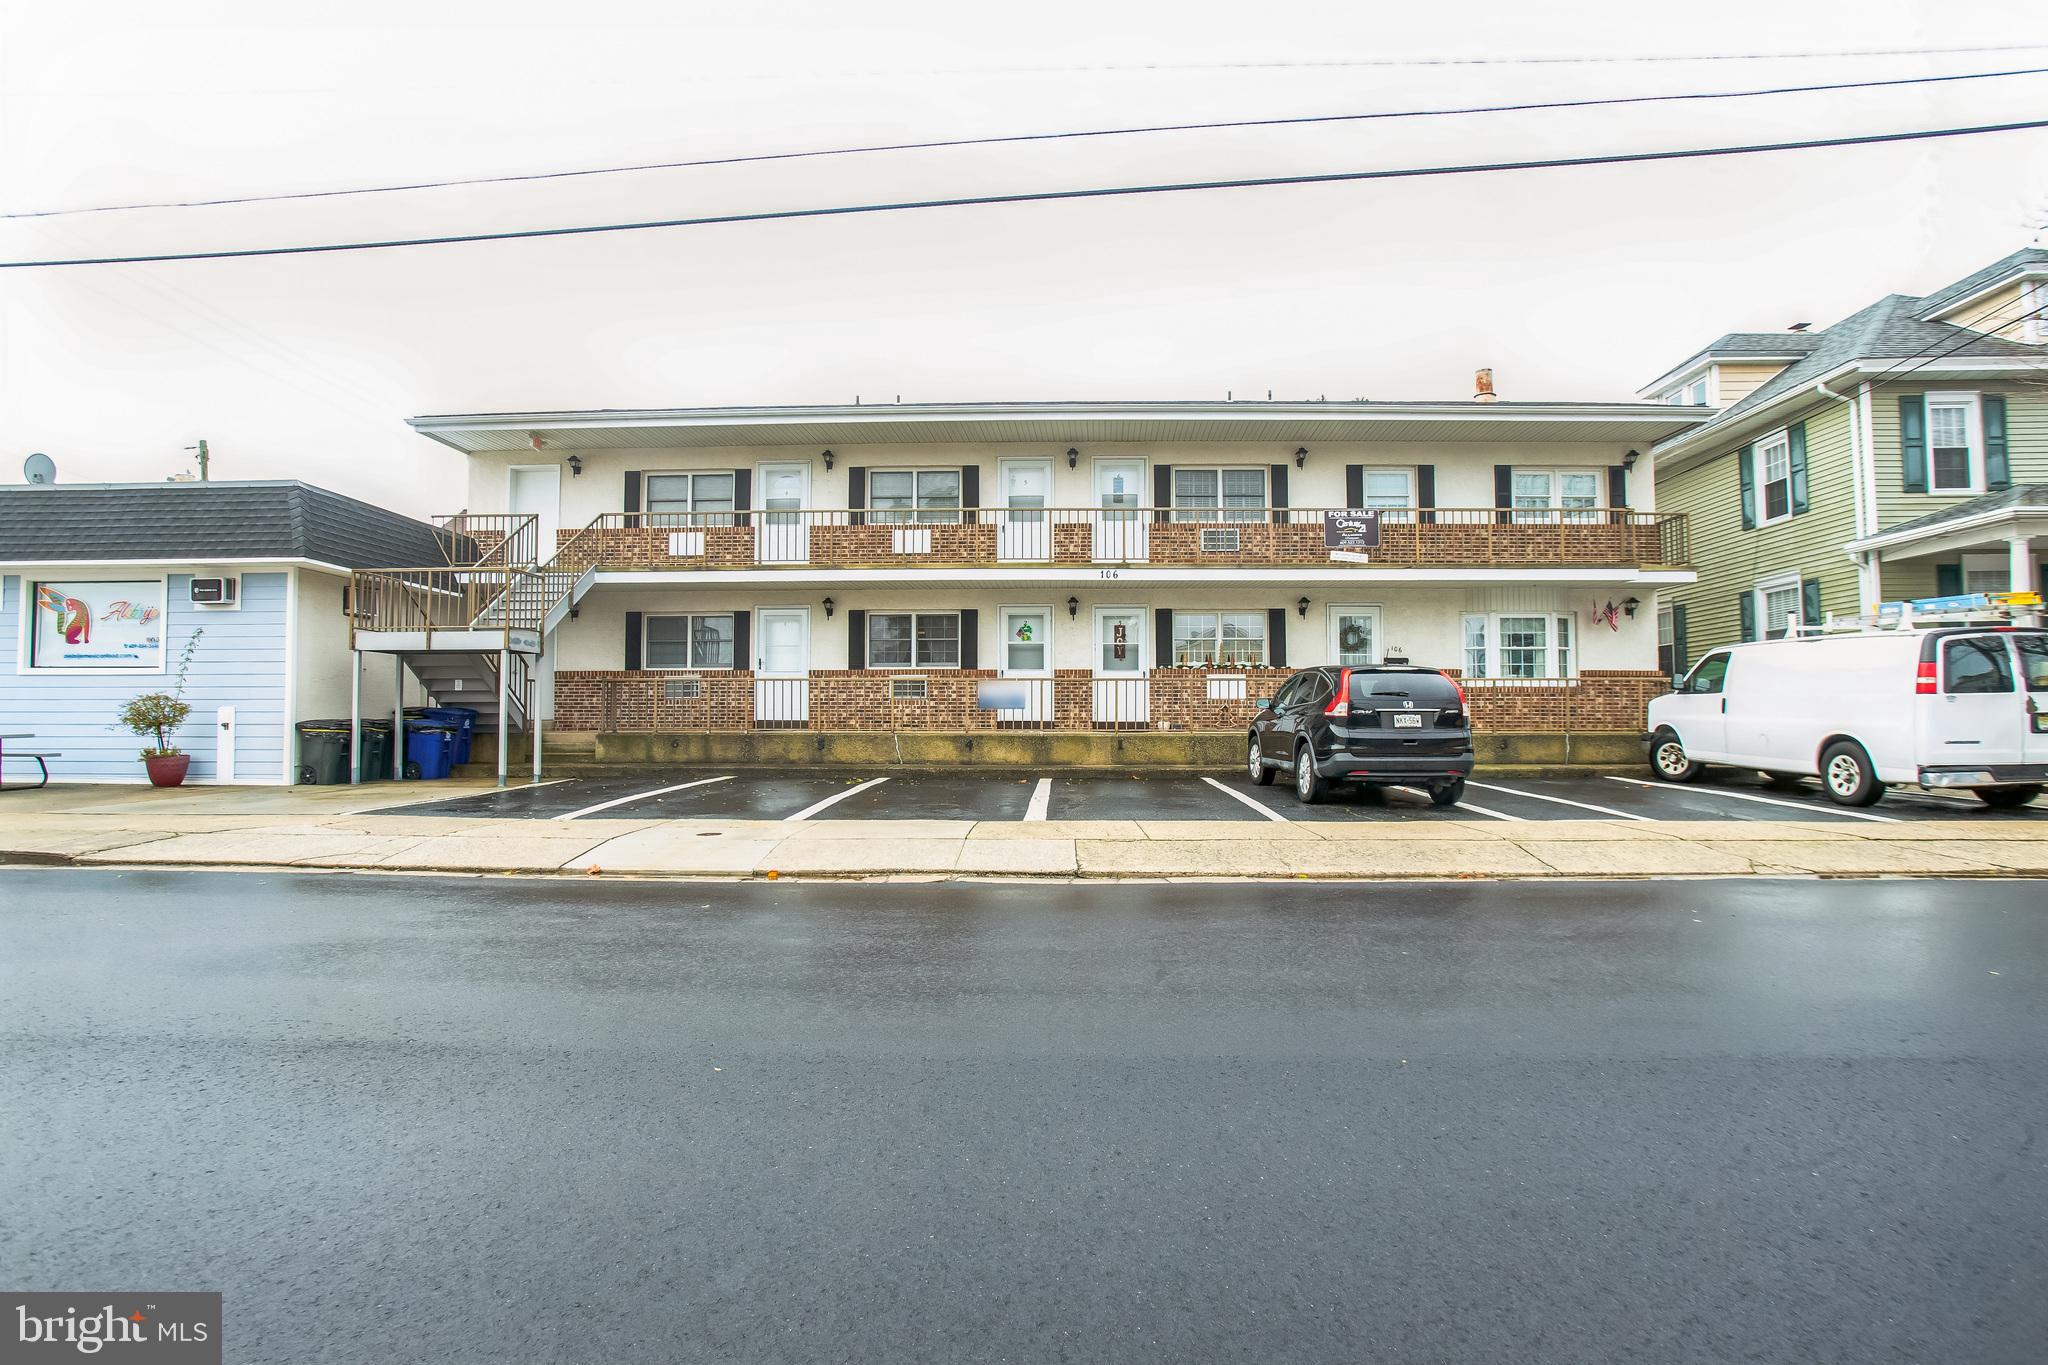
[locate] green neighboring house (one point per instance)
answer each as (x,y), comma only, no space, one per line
(1901,453)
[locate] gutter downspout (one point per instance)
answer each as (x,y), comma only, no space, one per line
(1867,589)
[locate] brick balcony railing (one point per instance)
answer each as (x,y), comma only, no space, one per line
(1445,537)
(952,700)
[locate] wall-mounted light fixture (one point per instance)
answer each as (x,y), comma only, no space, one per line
(1073,607)
(1630,607)
(828,461)
(1073,457)
(1301,457)
(1628,461)
(575,465)
(828,609)
(1302,607)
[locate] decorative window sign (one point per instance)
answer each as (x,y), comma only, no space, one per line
(98,625)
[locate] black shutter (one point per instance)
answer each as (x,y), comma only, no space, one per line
(1617,487)
(1162,490)
(632,495)
(1354,485)
(1746,610)
(856,494)
(1795,461)
(1425,493)
(970,638)
(1809,602)
(970,492)
(1276,637)
(856,639)
(742,491)
(632,641)
(1278,494)
(1913,442)
(1948,579)
(1745,473)
(1678,665)
(1503,491)
(1997,462)
(1162,637)
(742,640)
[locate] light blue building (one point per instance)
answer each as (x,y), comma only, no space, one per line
(103,587)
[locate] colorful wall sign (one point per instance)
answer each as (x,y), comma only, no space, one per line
(98,625)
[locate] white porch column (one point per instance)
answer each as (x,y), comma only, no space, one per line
(504,710)
(533,712)
(1869,582)
(398,718)
(355,717)
(2020,575)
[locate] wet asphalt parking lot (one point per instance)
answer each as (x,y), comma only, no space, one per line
(905,794)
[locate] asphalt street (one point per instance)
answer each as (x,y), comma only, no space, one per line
(914,794)
(490,1119)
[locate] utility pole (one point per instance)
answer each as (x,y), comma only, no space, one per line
(201,448)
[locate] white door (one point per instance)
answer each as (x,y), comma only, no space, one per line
(536,491)
(1027,658)
(1980,715)
(784,532)
(782,666)
(1024,528)
(2033,657)
(1120,526)
(1122,693)
(1354,636)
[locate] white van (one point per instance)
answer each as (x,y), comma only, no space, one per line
(1955,706)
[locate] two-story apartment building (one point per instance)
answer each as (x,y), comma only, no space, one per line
(1900,453)
(1067,566)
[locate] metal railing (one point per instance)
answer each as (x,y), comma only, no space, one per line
(474,540)
(428,600)
(953,537)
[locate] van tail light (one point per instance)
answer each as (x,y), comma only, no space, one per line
(1340,702)
(1924,685)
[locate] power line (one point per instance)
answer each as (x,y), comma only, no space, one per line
(935,144)
(1035,196)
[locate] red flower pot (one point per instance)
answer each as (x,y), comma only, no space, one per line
(167,770)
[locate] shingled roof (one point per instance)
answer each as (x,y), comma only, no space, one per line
(200,522)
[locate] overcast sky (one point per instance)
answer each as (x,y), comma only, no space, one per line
(1572,284)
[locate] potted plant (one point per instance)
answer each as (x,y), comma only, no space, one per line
(160,714)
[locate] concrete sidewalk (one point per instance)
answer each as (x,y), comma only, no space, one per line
(328,827)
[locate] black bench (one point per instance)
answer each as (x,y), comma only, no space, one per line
(42,758)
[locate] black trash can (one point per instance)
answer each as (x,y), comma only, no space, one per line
(376,756)
(323,752)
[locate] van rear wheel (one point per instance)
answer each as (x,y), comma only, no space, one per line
(2007,798)
(1669,761)
(1846,775)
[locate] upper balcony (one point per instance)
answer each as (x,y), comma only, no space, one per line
(1091,537)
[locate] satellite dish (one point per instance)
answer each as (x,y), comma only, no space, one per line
(39,468)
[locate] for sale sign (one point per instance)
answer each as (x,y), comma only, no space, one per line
(1351,529)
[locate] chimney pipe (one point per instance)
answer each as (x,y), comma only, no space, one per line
(1482,384)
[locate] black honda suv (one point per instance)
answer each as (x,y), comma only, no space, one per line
(1384,726)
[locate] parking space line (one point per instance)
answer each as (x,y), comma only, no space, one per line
(808,811)
(1498,815)
(1262,809)
(1762,800)
(1041,800)
(1562,801)
(642,796)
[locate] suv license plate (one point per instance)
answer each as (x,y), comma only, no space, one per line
(1407,720)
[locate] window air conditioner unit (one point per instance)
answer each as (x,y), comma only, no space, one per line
(1219,540)
(214,592)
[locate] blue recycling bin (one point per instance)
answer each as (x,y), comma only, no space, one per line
(460,719)
(429,749)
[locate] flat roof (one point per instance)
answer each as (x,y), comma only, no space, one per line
(1065,423)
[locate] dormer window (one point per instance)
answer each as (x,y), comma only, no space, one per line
(1693,394)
